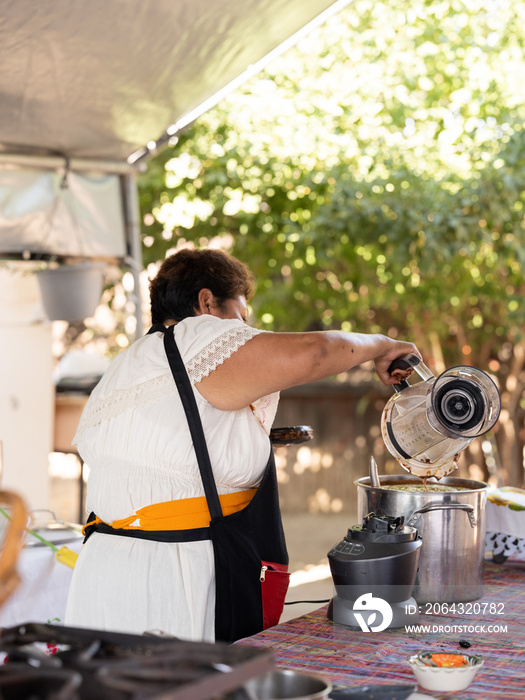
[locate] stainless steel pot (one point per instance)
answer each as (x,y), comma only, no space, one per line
(287,685)
(451,525)
(56,533)
(44,524)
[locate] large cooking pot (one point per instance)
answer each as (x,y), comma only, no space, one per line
(451,525)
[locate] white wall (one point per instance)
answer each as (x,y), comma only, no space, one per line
(26,387)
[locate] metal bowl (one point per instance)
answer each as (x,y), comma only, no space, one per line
(284,685)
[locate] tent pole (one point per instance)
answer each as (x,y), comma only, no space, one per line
(17,160)
(132,216)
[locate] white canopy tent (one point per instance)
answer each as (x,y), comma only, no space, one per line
(99,79)
(88,89)
(95,86)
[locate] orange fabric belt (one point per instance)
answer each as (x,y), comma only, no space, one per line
(184,514)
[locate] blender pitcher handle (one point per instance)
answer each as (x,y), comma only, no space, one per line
(406,362)
(443,506)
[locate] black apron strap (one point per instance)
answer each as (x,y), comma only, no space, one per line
(156,327)
(190,535)
(189,403)
(243,542)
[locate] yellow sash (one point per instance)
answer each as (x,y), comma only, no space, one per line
(184,514)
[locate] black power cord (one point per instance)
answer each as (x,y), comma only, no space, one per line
(294,602)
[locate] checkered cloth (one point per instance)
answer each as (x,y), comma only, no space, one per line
(505,522)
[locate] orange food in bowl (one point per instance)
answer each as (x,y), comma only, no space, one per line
(449,660)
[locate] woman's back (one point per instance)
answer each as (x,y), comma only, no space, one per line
(134,437)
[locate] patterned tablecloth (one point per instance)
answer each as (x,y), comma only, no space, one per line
(494,626)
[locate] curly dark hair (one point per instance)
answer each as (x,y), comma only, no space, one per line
(174,291)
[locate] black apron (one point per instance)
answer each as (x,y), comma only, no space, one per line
(249,546)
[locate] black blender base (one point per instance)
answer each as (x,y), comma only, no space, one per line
(341,612)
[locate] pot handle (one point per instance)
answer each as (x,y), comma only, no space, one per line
(428,507)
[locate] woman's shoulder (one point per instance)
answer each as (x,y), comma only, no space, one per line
(203,341)
(202,334)
(143,359)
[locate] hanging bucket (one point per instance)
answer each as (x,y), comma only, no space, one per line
(71,292)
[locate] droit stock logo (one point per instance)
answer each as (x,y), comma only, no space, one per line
(366,608)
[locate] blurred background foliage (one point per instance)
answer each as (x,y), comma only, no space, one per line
(373,178)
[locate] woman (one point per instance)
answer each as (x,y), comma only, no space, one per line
(153,559)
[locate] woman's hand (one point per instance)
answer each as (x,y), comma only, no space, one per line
(394,349)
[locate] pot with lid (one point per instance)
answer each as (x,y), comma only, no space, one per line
(425,426)
(450,518)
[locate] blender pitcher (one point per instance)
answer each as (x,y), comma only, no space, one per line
(427,425)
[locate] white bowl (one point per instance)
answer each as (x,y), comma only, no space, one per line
(444,678)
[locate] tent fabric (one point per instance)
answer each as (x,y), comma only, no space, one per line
(99,79)
(46,213)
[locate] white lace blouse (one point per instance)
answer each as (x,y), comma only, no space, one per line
(133,435)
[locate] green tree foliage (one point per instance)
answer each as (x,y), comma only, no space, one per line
(374,180)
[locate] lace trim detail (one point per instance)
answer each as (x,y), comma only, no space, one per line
(123,400)
(219,350)
(160,387)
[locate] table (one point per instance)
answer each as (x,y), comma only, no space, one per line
(350,658)
(42,593)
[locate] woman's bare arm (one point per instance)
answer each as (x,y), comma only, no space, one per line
(272,362)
